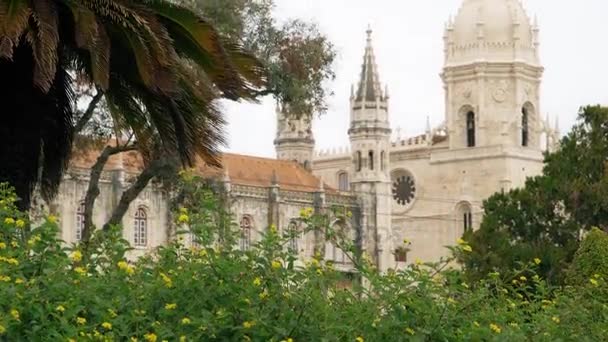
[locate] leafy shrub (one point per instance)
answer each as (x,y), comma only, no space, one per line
(215,292)
(591,259)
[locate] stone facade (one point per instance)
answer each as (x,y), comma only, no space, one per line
(429,188)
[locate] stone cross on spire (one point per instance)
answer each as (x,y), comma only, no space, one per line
(369,84)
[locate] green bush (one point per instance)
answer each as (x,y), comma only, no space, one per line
(591,259)
(215,292)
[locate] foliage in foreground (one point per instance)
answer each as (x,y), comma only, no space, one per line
(215,292)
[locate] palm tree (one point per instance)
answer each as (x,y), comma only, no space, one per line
(160,66)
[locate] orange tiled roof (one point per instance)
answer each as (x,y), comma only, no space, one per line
(241,169)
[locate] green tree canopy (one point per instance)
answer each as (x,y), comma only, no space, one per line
(160,65)
(591,259)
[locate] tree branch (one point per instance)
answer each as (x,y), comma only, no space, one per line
(154,169)
(93,188)
(88,114)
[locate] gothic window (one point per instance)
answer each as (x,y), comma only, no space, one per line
(465,216)
(343,181)
(140,228)
(246,226)
(371,160)
(295,236)
(404,188)
(401,254)
(524,127)
(470,129)
(79,221)
(359,161)
(382,162)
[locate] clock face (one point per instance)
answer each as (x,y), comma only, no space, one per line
(404,190)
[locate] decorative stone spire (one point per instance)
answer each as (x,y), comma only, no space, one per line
(369,84)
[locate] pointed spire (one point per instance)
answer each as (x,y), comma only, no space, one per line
(369,84)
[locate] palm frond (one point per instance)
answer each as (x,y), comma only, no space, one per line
(14,16)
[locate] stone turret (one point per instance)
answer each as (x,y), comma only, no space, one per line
(294,139)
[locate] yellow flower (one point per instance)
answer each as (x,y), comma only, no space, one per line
(409,331)
(168,282)
(306,212)
(52,219)
(359,339)
(495,328)
(9,221)
(183,218)
(522,278)
(537,261)
(171,306)
(183,210)
(264,294)
(186,321)
(2,245)
(276,264)
(107,325)
(5,278)
(461,242)
(555,319)
(451,300)
(2,329)
(467,248)
(15,314)
(182,338)
(80,270)
(20,223)
(81,320)
(465,285)
(12,261)
(273,228)
(406,241)
(349,214)
(257,281)
(150,337)
(133,339)
(19,281)
(248,324)
(76,256)
(593,282)
(60,308)
(418,261)
(123,265)
(514,325)
(476,324)
(597,276)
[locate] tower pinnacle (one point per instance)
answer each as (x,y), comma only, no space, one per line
(369,84)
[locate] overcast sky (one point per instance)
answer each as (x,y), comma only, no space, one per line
(409,52)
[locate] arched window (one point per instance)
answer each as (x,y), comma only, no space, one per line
(295,236)
(470,129)
(343,181)
(465,216)
(246,226)
(79,221)
(524,127)
(382,162)
(371,160)
(140,228)
(359,161)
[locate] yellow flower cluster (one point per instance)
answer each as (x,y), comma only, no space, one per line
(183,218)
(19,223)
(60,308)
(593,282)
(495,328)
(537,261)
(248,324)
(464,245)
(306,213)
(81,320)
(80,270)
(276,264)
(2,329)
(5,279)
(257,281)
(106,325)
(171,306)
(410,331)
(32,241)
(124,266)
(10,261)
(15,314)
(264,294)
(555,319)
(2,245)
(51,219)
(186,321)
(9,221)
(168,282)
(76,256)
(359,339)
(289,339)
(150,337)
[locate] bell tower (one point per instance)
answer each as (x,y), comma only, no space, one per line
(492,76)
(369,135)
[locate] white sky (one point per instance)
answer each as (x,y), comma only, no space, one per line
(409,52)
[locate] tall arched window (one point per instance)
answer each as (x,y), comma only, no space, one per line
(246,226)
(465,216)
(382,162)
(371,160)
(79,221)
(470,129)
(140,228)
(295,236)
(343,181)
(359,161)
(524,127)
